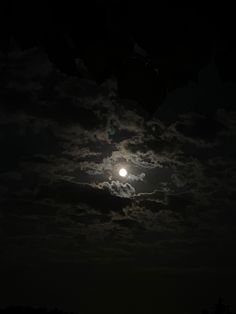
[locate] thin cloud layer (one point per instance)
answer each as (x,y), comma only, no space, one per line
(63,140)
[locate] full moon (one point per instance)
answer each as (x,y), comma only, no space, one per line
(123,172)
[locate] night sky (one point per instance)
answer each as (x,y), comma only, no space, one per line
(86,90)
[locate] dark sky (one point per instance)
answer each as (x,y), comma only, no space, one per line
(88,89)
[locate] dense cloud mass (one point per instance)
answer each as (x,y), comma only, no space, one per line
(63,140)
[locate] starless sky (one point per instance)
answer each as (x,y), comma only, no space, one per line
(86,90)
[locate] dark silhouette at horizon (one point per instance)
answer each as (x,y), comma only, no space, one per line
(219,308)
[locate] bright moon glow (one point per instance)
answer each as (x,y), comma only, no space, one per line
(123,172)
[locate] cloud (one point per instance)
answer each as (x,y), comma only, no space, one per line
(97,198)
(59,188)
(139,177)
(123,190)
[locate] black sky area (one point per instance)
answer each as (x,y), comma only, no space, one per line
(87,88)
